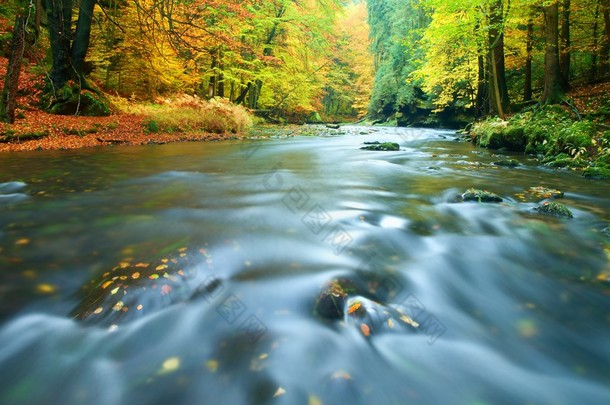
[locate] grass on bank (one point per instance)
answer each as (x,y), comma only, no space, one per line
(189,114)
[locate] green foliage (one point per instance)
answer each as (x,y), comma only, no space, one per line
(396,29)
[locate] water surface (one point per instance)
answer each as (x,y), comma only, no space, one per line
(511,306)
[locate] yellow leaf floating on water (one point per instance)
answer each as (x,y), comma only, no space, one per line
(45,288)
(354,308)
(98,310)
(142,265)
(182,249)
(391,323)
(280,391)
(406,319)
(139,307)
(106,284)
(212,365)
(153,276)
(164,260)
(118,306)
(22,242)
(527,328)
(365,329)
(170,365)
(161,267)
(135,275)
(313,400)
(124,264)
(116,290)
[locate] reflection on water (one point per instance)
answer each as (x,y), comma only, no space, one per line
(190,273)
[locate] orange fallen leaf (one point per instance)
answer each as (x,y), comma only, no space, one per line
(354,308)
(106,284)
(165,289)
(142,265)
(365,329)
(135,275)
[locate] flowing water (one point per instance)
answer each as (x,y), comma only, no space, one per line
(191,273)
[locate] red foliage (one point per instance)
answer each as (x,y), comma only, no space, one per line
(71,132)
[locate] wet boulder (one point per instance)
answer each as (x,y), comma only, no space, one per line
(482,196)
(507,163)
(363,304)
(381,146)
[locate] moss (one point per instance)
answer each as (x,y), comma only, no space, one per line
(151,126)
(480,196)
(554,209)
(384,146)
(597,173)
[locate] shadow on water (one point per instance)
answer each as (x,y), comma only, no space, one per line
(299,270)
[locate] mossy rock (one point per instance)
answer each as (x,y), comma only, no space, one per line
(507,163)
(381,146)
(70,100)
(597,173)
(554,209)
(483,196)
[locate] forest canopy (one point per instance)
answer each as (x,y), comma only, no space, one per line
(417,62)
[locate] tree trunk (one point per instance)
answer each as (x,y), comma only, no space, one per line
(498,94)
(59,14)
(553,85)
(481,104)
(605,48)
(594,68)
(564,56)
(80,45)
(529,47)
(8,104)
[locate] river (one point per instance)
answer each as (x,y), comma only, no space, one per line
(193,273)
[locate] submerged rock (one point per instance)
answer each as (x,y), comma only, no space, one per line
(507,163)
(381,146)
(544,192)
(483,196)
(131,289)
(554,209)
